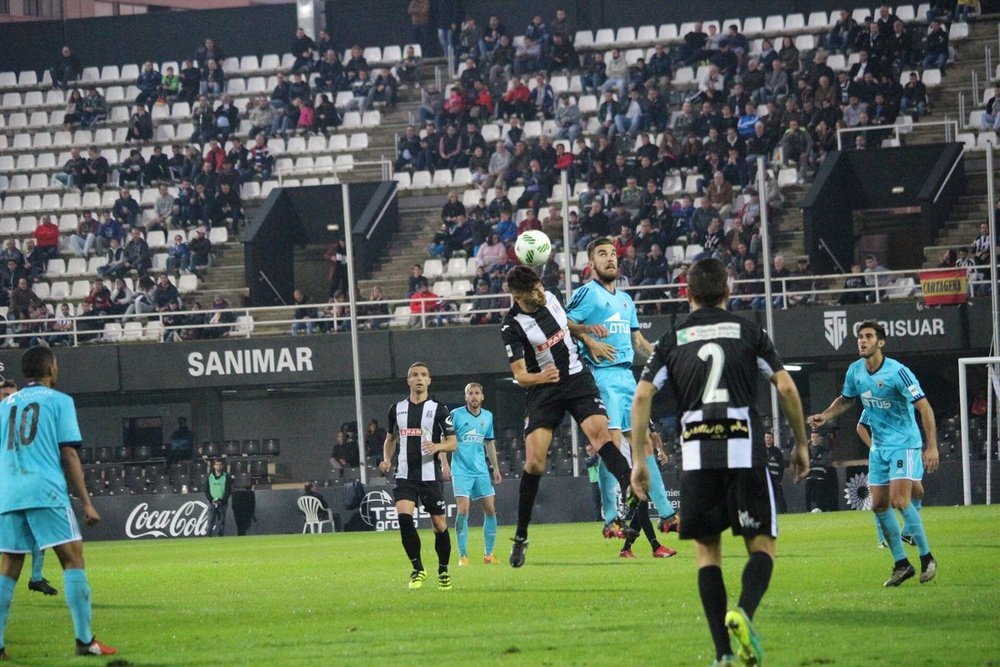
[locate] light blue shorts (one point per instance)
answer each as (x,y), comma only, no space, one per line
(472,487)
(885,465)
(617,387)
(44,527)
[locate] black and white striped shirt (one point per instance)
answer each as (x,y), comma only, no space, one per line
(541,338)
(711,361)
(413,423)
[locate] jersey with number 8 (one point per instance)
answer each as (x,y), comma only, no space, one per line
(34,423)
(711,361)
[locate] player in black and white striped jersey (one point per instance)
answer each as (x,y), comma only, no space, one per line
(543,359)
(422,427)
(711,361)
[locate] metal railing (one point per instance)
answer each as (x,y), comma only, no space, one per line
(951,128)
(787,292)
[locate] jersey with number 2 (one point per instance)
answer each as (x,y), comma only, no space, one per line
(35,423)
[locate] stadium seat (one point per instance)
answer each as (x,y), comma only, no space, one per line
(187,283)
(421,179)
(132,330)
(433,268)
(455,268)
(112,331)
(583,38)
(392,54)
(153,331)
(753,26)
(604,38)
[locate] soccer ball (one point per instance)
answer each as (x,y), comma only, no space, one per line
(533,248)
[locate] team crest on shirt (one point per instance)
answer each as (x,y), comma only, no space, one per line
(879,384)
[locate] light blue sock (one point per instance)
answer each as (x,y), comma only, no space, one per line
(657,491)
(890,528)
(6,595)
(78,601)
(489,532)
(917,502)
(913,526)
(37,563)
(878,530)
(462,531)
(607,483)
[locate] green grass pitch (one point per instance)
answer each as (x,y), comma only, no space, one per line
(341,599)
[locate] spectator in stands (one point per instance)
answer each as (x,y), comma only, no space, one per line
(208,51)
(121,297)
(693,48)
(330,74)
(99,298)
(157,168)
(165,294)
(407,69)
(304,314)
(416,279)
(493,251)
(109,229)
(796,145)
(95,108)
(616,68)
(423,303)
(981,245)
(261,161)
(126,209)
(990,120)
(148,83)
(936,47)
(213,80)
(227,208)
(203,120)
(46,236)
(132,168)
(492,35)
(562,55)
(376,310)
(180,445)
(527,57)
(170,86)
(226,119)
(83,240)
(420,18)
(22,299)
(749,291)
(408,149)
(190,82)
(68,69)
(303,48)
(450,149)
(201,251)
(73,171)
(142,303)
(178,256)
(115,266)
(74,109)
(875,278)
(137,257)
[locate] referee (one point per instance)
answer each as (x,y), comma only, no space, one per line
(711,361)
(543,359)
(423,429)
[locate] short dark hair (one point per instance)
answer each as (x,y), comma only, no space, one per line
(522,279)
(707,282)
(874,326)
(8,384)
(601,240)
(36,362)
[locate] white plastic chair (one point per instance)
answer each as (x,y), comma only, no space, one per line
(311,507)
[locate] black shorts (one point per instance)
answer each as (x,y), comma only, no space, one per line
(716,499)
(428,494)
(547,404)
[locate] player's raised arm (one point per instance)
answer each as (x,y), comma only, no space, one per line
(791,405)
(642,405)
(839,406)
(74,477)
(929,424)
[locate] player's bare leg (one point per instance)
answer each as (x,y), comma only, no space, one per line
(10,571)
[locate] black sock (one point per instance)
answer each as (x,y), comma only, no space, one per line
(526,503)
(756,577)
(616,464)
(442,545)
(925,559)
(411,540)
(713,600)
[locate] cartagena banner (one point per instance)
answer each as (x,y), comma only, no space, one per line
(944,286)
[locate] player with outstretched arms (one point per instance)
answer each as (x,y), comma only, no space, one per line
(544,360)
(711,361)
(422,427)
(39,463)
(470,477)
(603,318)
(891,395)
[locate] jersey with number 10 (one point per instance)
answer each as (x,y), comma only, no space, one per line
(34,424)
(711,361)
(888,396)
(472,431)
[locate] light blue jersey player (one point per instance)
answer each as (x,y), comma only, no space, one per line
(471,477)
(39,438)
(37,581)
(600,311)
(890,395)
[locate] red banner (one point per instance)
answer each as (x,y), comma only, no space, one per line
(944,286)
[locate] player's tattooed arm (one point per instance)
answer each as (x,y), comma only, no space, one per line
(642,346)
